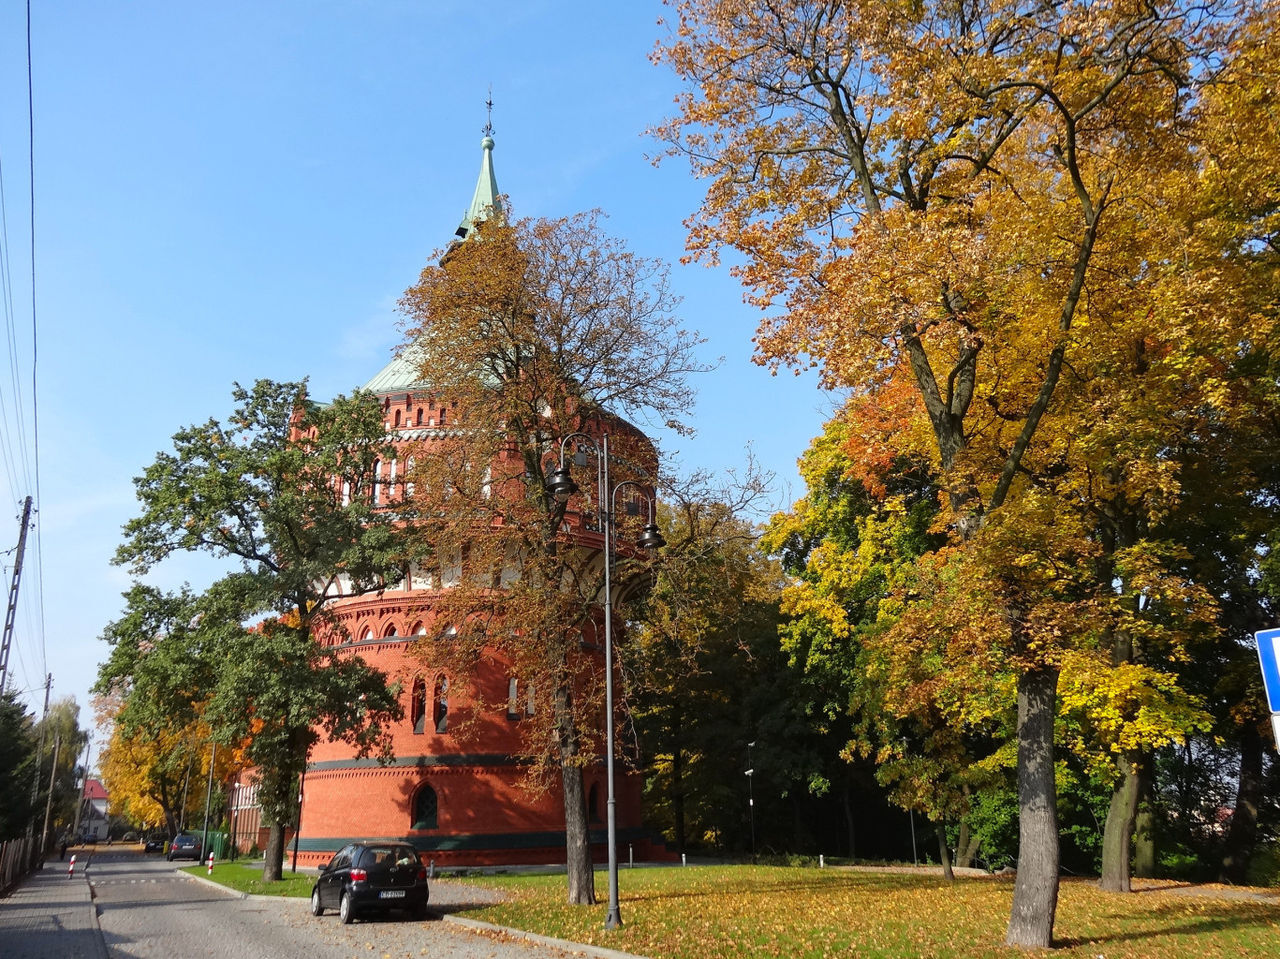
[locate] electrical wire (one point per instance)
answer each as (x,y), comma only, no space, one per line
(35,350)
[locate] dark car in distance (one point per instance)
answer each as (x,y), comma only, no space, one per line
(184,847)
(367,877)
(154,844)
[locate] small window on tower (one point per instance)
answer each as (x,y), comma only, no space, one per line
(441,714)
(418,706)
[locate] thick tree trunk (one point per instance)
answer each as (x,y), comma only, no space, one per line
(1117,835)
(1144,827)
(577,839)
(967,846)
(1035,891)
(273,857)
(1243,833)
(944,854)
(849,821)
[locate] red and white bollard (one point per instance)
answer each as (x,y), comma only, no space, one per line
(210,864)
(71,869)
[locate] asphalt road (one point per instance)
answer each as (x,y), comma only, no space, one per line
(149,909)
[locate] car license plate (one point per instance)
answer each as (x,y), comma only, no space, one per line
(391,894)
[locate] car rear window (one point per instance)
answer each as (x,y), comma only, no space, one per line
(383,857)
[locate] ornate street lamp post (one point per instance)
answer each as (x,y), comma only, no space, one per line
(561,485)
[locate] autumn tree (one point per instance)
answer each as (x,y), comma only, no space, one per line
(153,690)
(282,489)
(527,333)
(939,195)
(849,544)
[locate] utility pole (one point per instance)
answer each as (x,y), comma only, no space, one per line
(35,776)
(12,610)
(208,795)
(75,830)
(48,802)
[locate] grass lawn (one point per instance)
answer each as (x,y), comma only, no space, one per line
(762,911)
(248,878)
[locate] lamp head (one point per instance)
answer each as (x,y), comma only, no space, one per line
(561,485)
(651,538)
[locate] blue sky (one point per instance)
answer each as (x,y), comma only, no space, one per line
(240,190)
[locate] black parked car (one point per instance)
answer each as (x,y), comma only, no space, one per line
(184,847)
(371,877)
(153,844)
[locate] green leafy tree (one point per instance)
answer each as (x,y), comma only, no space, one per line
(17,766)
(701,666)
(283,489)
(62,774)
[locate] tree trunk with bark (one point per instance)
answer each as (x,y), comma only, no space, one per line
(1117,836)
(1144,827)
(1035,891)
(273,855)
(847,803)
(967,846)
(577,839)
(944,854)
(1243,832)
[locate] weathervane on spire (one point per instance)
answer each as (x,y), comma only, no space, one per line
(488,106)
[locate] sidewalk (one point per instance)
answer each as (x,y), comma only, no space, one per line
(49,916)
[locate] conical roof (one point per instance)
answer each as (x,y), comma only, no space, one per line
(485,202)
(404,372)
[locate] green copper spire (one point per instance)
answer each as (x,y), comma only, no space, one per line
(485,203)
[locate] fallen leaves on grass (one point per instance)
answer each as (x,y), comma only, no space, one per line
(757,912)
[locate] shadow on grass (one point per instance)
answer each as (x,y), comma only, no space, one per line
(1210,917)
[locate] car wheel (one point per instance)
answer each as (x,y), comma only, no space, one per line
(421,911)
(169,858)
(316,908)
(345,911)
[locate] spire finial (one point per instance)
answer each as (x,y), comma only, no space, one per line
(488,106)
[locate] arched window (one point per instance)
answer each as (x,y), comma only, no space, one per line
(425,808)
(418,706)
(441,715)
(346,493)
(377,475)
(391,480)
(593,804)
(368,636)
(408,471)
(390,631)
(419,417)
(397,419)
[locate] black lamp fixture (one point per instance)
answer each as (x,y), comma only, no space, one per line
(651,538)
(560,484)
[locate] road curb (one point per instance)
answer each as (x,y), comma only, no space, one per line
(99,938)
(234,893)
(580,948)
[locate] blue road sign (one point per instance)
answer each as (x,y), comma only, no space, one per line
(1269,655)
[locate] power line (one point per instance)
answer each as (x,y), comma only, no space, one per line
(35,343)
